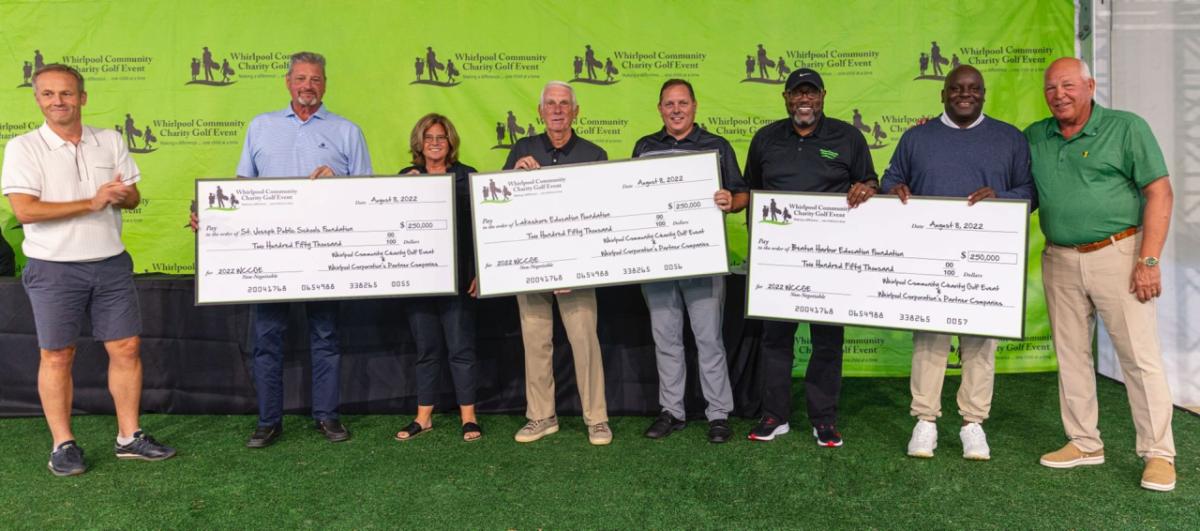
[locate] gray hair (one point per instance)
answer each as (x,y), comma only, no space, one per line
(562,84)
(58,67)
(1084,70)
(312,58)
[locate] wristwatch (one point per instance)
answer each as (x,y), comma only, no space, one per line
(1148,261)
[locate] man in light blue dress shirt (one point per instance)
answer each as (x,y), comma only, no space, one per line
(302,139)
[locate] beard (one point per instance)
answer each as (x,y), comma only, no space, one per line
(308,100)
(802,121)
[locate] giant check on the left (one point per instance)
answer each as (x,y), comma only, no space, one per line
(273,240)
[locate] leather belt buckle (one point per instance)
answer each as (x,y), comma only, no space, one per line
(1097,245)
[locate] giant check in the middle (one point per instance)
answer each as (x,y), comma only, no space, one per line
(596,224)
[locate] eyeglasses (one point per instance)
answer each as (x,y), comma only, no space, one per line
(802,92)
(436,139)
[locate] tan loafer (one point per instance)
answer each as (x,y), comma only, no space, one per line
(1070,456)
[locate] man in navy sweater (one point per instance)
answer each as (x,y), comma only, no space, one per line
(961,154)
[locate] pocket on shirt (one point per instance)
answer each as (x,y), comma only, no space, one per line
(103,173)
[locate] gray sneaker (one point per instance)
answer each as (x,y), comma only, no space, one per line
(67,460)
(536,429)
(144,447)
(599,434)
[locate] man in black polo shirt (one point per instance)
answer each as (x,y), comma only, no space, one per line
(703,299)
(806,152)
(559,145)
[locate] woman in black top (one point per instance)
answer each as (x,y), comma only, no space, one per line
(444,327)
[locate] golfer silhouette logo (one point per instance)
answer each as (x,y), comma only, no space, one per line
(760,68)
(496,194)
(431,71)
(773,215)
(510,130)
(588,69)
(29,67)
(134,136)
(220,201)
(931,64)
(876,133)
(206,70)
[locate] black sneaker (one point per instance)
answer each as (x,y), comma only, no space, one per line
(67,460)
(827,436)
(718,431)
(664,425)
(333,430)
(264,436)
(144,447)
(767,429)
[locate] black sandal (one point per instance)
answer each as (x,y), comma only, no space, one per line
(471,427)
(412,430)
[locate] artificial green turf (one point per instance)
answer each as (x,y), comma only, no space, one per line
(438,481)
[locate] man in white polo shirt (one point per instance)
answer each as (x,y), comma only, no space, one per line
(66,183)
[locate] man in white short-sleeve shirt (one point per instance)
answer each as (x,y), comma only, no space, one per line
(66,183)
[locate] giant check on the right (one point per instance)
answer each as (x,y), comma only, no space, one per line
(934,264)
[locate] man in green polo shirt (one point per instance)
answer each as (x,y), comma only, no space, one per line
(1105,207)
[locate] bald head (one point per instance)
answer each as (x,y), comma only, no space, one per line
(962,71)
(1069,89)
(962,95)
(1069,65)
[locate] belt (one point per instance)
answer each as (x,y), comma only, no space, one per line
(1096,246)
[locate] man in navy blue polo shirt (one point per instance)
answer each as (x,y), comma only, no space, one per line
(806,152)
(961,154)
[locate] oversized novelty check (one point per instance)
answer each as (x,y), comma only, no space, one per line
(934,264)
(597,224)
(262,240)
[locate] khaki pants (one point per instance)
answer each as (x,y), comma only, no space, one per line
(578,311)
(930,352)
(1078,285)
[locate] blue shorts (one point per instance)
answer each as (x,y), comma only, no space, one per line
(62,293)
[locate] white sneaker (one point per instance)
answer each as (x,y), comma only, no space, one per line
(974,441)
(924,439)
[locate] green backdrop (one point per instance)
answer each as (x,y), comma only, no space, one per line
(144,64)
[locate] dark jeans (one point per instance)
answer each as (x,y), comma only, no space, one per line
(443,329)
(270,331)
(822,380)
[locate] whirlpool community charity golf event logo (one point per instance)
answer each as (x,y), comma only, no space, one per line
(430,71)
(221,201)
(874,133)
(29,67)
(207,71)
(510,130)
(588,69)
(934,65)
(138,140)
(773,215)
(987,57)
(444,70)
(96,67)
(496,194)
(761,68)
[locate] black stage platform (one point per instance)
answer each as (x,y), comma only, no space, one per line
(197,359)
